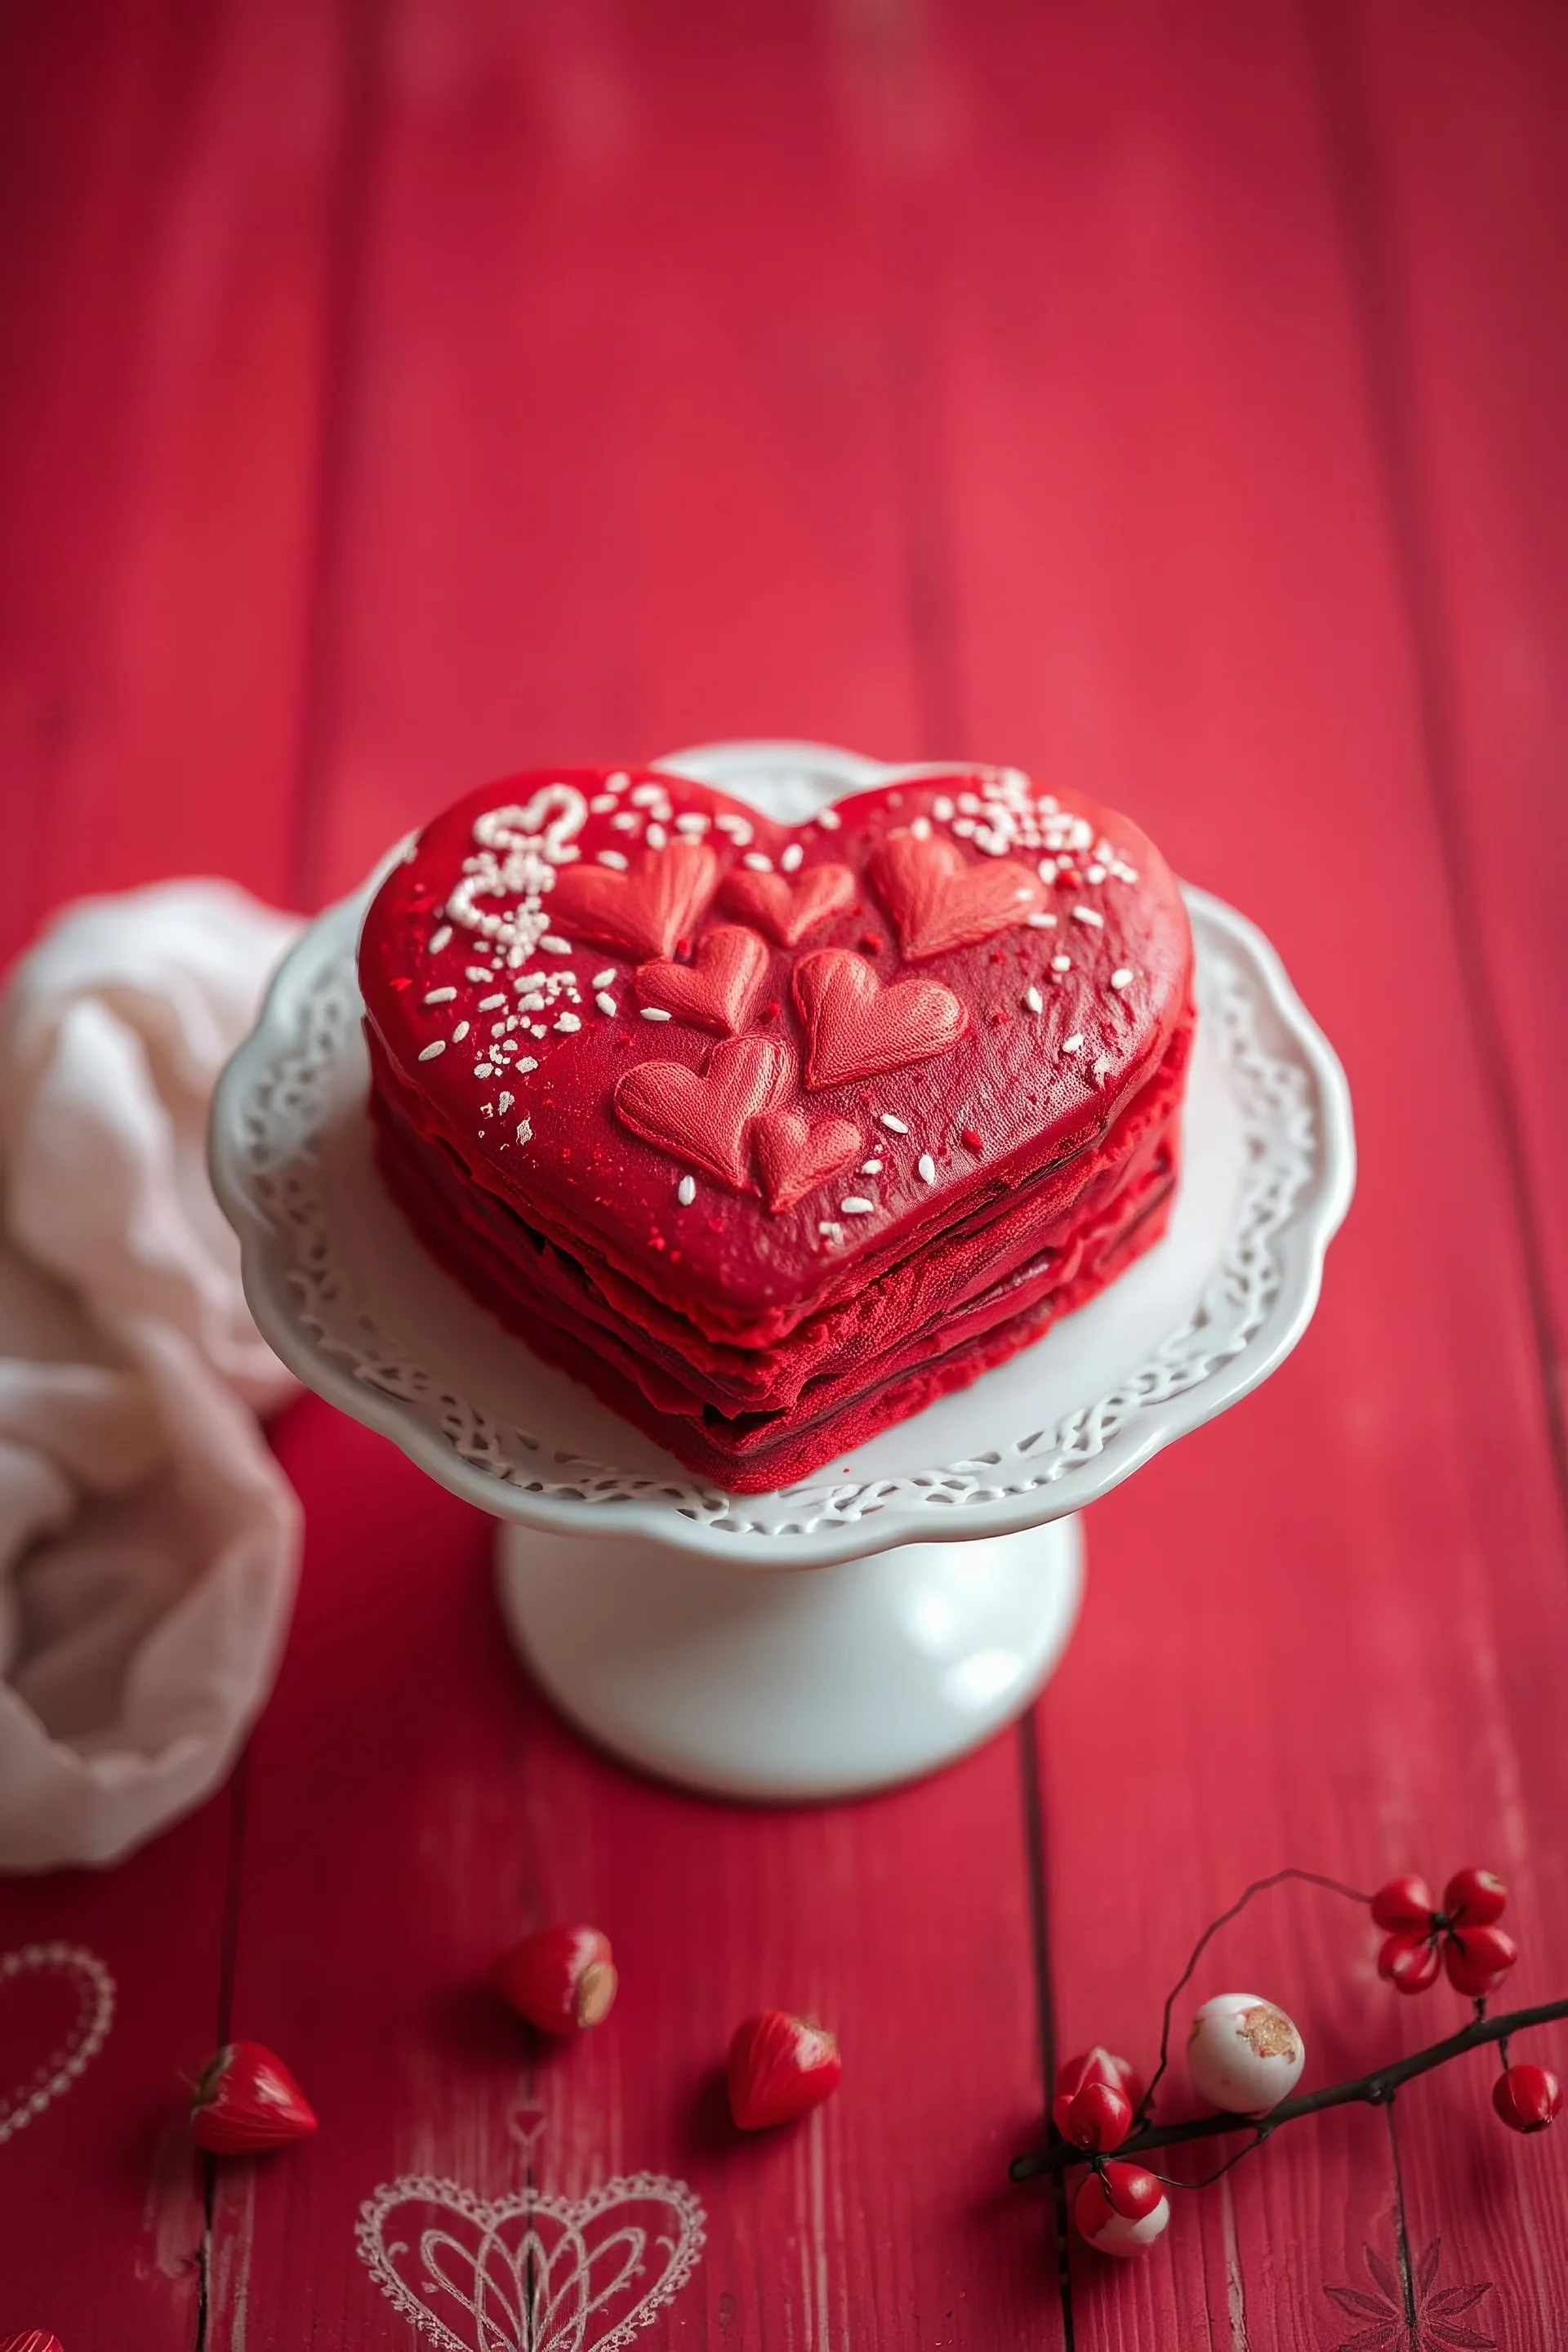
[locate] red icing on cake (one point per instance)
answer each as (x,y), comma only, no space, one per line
(772,1133)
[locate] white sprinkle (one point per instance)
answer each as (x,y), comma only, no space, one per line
(624,821)
(1033,1001)
(964,828)
(536,1028)
(738,828)
(488,1004)
(1073,1045)
(789,860)
(476,971)
(1095,874)
(567,1021)
(440,996)
(553,944)
(524,1130)
(504,1104)
(1122,978)
(921,829)
(870,1168)
(895,1126)
(428,1053)
(614,858)
(656,836)
(606,1003)
(925,1169)
(527,1063)
(441,939)
(757,861)
(617,780)
(686,1192)
(692,822)
(484,1069)
(968,804)
(1061,963)
(857,1206)
(1088,915)
(941,809)
(601,804)
(654,1012)
(828,819)
(459,1032)
(1047,869)
(604,979)
(1042,922)
(830,1230)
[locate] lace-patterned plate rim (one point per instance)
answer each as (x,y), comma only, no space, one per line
(275,1102)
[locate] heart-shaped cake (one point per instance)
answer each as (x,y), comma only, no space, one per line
(772,1134)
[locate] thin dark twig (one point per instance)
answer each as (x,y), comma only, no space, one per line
(1207,2179)
(1372,2089)
(1258,1887)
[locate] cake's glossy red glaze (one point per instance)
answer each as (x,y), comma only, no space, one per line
(898,962)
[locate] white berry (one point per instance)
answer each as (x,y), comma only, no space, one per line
(1244,2055)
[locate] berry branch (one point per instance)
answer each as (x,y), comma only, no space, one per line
(1374,2089)
(1245,2057)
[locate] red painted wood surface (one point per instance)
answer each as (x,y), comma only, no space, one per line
(1171,400)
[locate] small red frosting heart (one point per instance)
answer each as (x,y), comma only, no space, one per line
(702,1118)
(718,988)
(645,914)
(793,1154)
(940,902)
(856,1028)
(787,905)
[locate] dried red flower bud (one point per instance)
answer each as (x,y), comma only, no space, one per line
(1099,2117)
(1477,1959)
(1120,2209)
(1475,1898)
(780,2067)
(248,2102)
(1527,2097)
(1096,2065)
(562,1980)
(1410,1960)
(1403,1903)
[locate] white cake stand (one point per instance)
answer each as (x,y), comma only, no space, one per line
(946,1553)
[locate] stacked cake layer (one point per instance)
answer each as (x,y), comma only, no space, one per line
(772,1134)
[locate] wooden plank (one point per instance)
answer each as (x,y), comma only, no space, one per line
(164,247)
(626,472)
(1319,1632)
(166,177)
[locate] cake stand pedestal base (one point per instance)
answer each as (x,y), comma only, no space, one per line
(783,1686)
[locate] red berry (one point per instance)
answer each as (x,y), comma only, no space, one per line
(1120,2209)
(562,1980)
(1527,2097)
(1475,1898)
(780,2067)
(1477,1959)
(1410,1960)
(1096,2065)
(971,1138)
(1404,1903)
(1098,2117)
(248,2102)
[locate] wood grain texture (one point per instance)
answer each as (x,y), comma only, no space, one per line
(1074,387)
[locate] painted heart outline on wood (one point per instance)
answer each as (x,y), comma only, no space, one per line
(530,2271)
(94,1989)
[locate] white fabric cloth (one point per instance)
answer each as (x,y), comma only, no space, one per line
(149,1542)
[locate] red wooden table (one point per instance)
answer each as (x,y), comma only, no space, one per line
(1171,399)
